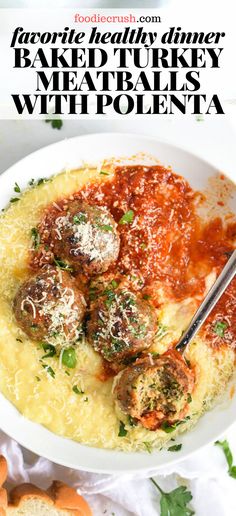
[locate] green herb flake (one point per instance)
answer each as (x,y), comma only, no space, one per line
(34,327)
(14,199)
(122,431)
(175,503)
(148,446)
(77,390)
(103,173)
(166,427)
(35,237)
(105,227)
(200,118)
(69,358)
(189,398)
(175,447)
(56,123)
(80,218)
(219,328)
(146,297)
(17,188)
(132,421)
(43,180)
(19,340)
(127,218)
(38,379)
(62,265)
(229,457)
(49,370)
(49,350)
(143,246)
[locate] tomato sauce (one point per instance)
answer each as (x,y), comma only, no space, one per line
(167,245)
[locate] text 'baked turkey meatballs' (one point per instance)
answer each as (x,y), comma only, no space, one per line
(50,307)
(87,237)
(155,390)
(121,324)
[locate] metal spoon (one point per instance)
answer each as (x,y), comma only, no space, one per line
(209,302)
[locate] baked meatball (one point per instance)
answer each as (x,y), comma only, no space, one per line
(120,324)
(86,236)
(49,306)
(155,390)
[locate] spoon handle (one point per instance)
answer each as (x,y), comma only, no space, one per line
(209,302)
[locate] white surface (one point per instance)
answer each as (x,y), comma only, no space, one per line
(212,488)
(204,474)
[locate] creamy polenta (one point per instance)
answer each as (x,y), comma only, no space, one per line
(77,402)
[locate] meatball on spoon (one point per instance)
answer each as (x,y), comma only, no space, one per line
(158,390)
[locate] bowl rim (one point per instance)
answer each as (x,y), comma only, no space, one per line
(99,454)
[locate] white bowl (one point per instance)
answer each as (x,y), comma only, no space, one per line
(50,160)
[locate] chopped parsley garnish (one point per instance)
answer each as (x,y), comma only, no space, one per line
(77,390)
(80,218)
(109,293)
(143,246)
(199,118)
(104,173)
(86,399)
(110,298)
(189,398)
(127,217)
(146,297)
(175,447)
(38,379)
(148,446)
(34,327)
(19,340)
(229,457)
(166,427)
(105,227)
(132,421)
(49,370)
(174,503)
(63,265)
(17,188)
(14,199)
(56,123)
(39,182)
(43,180)
(35,237)
(49,350)
(122,431)
(69,358)
(220,328)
